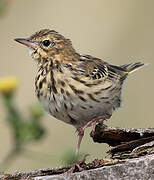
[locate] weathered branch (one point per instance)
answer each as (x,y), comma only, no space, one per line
(124,141)
(137,168)
(132,158)
(116,136)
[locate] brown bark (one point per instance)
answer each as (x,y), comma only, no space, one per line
(132,158)
(136,169)
(124,141)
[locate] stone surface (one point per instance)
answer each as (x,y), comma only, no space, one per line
(132,169)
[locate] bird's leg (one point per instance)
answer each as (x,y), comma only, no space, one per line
(94,125)
(82,129)
(80,136)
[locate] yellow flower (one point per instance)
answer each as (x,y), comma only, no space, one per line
(8,84)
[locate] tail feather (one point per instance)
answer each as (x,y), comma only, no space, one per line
(132,67)
(126,69)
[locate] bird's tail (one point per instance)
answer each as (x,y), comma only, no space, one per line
(129,68)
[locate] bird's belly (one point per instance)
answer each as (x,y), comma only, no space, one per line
(54,107)
(76,103)
(73,111)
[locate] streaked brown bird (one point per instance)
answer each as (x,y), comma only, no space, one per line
(77,89)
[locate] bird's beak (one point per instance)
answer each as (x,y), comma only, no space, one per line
(27,43)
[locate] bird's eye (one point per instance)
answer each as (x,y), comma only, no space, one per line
(46,43)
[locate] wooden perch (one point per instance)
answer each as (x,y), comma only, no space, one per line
(115,136)
(124,141)
(132,158)
(137,168)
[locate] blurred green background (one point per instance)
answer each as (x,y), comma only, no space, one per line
(118,31)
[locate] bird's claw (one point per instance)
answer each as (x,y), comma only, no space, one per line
(78,165)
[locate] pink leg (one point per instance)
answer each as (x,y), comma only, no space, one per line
(97,119)
(94,125)
(82,129)
(80,136)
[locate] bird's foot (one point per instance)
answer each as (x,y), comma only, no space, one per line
(96,120)
(78,165)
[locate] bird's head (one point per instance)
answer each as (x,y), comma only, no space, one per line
(47,44)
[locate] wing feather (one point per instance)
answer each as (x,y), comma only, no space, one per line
(98,69)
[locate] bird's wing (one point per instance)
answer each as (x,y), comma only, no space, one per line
(98,69)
